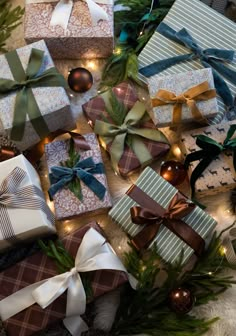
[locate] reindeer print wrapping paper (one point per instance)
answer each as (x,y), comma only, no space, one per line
(220,175)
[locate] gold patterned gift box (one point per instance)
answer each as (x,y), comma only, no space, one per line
(158,199)
(183,97)
(24,214)
(84,36)
(66,202)
(219,176)
(33,100)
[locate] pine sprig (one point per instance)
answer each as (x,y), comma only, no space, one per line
(9,20)
(146,310)
(74,186)
(116,109)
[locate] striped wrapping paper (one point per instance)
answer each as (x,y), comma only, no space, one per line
(161,191)
(209,28)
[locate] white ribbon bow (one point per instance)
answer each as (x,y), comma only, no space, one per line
(93,254)
(62,11)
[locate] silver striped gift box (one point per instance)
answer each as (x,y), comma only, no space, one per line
(169,245)
(209,28)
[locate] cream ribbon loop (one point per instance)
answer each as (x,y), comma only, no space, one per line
(93,254)
(63,9)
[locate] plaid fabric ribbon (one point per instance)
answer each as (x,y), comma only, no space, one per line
(12,195)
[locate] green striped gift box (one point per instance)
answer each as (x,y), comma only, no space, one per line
(169,245)
(209,28)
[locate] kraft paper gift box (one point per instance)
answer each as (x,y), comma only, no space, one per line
(165,115)
(39,267)
(220,175)
(52,102)
(66,203)
(208,28)
(80,39)
(96,109)
(156,189)
(23,209)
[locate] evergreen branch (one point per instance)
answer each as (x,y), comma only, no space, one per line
(137,25)
(116,109)
(9,20)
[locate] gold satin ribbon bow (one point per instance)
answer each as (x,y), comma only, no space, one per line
(189,97)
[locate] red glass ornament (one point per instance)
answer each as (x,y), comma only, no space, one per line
(80,80)
(181,300)
(173,172)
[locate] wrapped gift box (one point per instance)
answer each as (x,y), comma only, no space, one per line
(20,223)
(95,109)
(219,176)
(65,202)
(209,29)
(39,267)
(81,39)
(178,84)
(53,102)
(162,192)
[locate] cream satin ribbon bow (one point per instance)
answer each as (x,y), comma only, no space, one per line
(62,11)
(93,254)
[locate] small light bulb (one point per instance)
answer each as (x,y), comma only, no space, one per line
(117,51)
(209,273)
(91,65)
(141,33)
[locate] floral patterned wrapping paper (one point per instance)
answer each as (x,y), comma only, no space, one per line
(65,202)
(39,267)
(55,108)
(95,109)
(80,40)
(179,83)
(219,176)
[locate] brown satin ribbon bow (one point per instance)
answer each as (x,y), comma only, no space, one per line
(189,97)
(178,208)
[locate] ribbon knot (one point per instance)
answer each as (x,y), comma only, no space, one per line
(74,271)
(210,150)
(199,92)
(210,58)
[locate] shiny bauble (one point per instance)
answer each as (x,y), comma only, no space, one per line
(173,172)
(181,300)
(80,80)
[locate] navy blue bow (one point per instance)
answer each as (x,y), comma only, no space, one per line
(83,170)
(210,58)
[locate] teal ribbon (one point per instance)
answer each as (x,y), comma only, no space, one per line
(210,58)
(83,170)
(24,81)
(210,149)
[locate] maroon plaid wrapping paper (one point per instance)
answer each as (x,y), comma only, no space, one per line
(95,109)
(39,267)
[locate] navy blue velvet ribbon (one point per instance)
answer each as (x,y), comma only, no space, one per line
(84,170)
(210,58)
